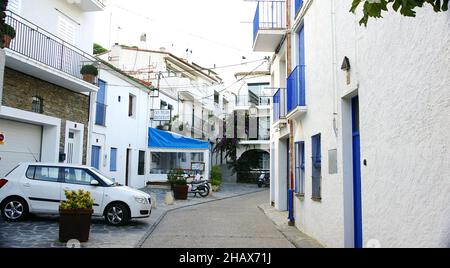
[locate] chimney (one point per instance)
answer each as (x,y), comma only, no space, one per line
(114,55)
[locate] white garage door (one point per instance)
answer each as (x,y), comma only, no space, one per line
(22,144)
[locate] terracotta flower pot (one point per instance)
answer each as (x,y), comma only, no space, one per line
(7,41)
(89,78)
(180,192)
(74,224)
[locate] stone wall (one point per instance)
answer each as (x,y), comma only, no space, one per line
(59,102)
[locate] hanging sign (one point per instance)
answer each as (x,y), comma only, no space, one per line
(162,115)
(198,166)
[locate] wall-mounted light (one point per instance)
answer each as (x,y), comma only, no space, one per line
(346,67)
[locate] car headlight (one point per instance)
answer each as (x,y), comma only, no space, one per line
(141,200)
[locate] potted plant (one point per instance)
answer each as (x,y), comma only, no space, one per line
(9,33)
(89,72)
(173,176)
(216,178)
(180,190)
(75,216)
(178,183)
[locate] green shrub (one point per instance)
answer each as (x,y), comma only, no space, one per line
(9,30)
(216,176)
(77,200)
(175,177)
(89,69)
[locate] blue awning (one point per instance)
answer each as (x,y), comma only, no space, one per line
(165,139)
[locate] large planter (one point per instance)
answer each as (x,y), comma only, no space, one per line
(180,192)
(74,224)
(90,78)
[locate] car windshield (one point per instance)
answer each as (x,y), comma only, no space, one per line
(104,177)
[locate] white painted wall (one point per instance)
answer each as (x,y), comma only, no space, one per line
(404,103)
(402,66)
(121,131)
(45,13)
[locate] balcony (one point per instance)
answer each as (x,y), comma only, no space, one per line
(247,100)
(91,5)
(298,6)
(269,25)
(296,95)
(279,106)
(39,53)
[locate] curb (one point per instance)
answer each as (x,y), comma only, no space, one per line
(291,239)
(141,242)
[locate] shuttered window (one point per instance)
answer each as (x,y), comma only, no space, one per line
(316,167)
(113,160)
(15,6)
(66,30)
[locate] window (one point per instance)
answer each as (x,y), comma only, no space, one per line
(141,164)
(131,105)
(37,105)
(170,107)
(15,6)
(300,168)
(77,176)
(100,117)
(216,97)
(316,167)
(113,160)
(50,174)
(66,30)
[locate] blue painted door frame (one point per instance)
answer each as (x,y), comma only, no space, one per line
(357,201)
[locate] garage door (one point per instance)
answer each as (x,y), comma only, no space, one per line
(22,144)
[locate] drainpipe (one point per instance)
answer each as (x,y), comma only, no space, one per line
(291,122)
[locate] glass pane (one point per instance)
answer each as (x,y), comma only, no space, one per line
(77,176)
(47,174)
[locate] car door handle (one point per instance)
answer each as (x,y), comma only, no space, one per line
(27,185)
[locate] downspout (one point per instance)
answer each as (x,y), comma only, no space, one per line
(334,68)
(291,122)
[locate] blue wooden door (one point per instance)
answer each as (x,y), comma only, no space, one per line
(95,157)
(357,202)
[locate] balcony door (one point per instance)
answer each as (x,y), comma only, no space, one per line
(301,46)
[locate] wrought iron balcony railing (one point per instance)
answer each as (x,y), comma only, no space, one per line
(296,96)
(38,44)
(269,15)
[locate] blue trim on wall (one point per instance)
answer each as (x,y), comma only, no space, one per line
(357,200)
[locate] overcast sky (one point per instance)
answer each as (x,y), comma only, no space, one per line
(217,31)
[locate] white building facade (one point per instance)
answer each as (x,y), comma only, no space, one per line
(42,78)
(365,111)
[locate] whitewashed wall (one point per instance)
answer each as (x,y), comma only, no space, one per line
(44,13)
(123,132)
(402,66)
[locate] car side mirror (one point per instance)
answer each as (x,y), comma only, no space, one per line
(95,183)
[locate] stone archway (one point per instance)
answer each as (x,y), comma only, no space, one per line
(252,164)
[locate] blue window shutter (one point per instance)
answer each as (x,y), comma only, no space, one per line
(113,160)
(95,157)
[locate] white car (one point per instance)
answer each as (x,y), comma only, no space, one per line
(39,188)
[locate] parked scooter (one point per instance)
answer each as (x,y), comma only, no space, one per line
(264,180)
(200,187)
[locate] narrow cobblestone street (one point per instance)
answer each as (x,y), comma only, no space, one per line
(231,223)
(42,231)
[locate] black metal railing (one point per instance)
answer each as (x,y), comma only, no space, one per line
(38,44)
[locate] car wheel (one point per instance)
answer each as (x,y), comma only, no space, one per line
(117,214)
(14,209)
(260,185)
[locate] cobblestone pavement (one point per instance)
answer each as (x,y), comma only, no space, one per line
(42,231)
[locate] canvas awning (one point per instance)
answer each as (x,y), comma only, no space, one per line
(169,140)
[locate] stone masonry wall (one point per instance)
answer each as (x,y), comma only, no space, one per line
(58,102)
